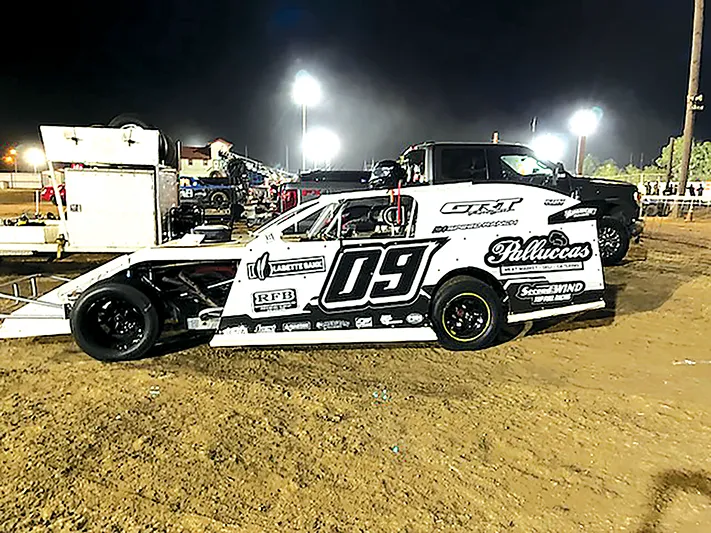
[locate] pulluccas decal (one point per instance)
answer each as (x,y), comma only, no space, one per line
(264,268)
(382,274)
(480,207)
(540,253)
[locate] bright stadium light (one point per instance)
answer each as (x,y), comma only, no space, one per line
(583,123)
(321,146)
(306,90)
(35,157)
(549,147)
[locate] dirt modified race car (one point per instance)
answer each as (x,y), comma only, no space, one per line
(451,263)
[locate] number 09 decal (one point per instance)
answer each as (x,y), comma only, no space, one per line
(376,275)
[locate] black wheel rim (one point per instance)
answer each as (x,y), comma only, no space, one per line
(115,324)
(466,317)
(610,241)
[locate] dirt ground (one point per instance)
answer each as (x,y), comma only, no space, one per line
(14,203)
(601,423)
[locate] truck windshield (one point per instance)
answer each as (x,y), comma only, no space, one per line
(527,165)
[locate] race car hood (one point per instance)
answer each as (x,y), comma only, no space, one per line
(48,314)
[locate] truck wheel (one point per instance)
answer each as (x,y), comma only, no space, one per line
(219,199)
(614,240)
(467,314)
(652,210)
(115,322)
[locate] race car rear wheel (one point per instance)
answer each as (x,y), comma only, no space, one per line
(613,239)
(467,314)
(115,322)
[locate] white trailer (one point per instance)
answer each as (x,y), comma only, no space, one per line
(119,195)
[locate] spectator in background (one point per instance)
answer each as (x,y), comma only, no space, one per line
(692,192)
(655,191)
(700,190)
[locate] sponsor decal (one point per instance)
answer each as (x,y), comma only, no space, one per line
(364,322)
(388,320)
(544,292)
(377,274)
(481,207)
(580,212)
(263,268)
(414,319)
(475,225)
(279,300)
(235,330)
(548,253)
(333,324)
(554,201)
(261,328)
(297,326)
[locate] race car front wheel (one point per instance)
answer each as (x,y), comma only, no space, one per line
(115,322)
(614,240)
(467,314)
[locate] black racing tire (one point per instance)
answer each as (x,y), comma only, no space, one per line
(115,322)
(219,199)
(126,120)
(613,239)
(467,314)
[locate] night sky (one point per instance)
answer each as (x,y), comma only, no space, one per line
(393,72)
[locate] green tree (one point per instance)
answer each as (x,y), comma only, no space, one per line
(700,166)
(607,169)
(590,165)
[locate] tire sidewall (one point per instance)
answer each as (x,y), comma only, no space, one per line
(454,288)
(81,325)
(617,226)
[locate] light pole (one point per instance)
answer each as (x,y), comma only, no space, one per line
(13,153)
(306,92)
(321,146)
(583,124)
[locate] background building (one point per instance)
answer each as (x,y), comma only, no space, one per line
(203,161)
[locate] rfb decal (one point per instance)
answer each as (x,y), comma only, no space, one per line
(544,292)
(269,301)
(263,268)
(480,207)
(378,274)
(550,253)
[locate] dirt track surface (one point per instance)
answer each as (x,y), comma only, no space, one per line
(597,424)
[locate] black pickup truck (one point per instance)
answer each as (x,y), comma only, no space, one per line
(456,162)
(314,183)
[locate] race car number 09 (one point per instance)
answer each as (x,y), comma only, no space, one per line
(377,275)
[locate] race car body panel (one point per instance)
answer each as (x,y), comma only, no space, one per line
(365,266)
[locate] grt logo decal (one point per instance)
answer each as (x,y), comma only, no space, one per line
(381,274)
(550,253)
(263,268)
(542,293)
(481,207)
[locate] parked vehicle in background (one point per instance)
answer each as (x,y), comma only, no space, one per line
(48,194)
(616,202)
(313,184)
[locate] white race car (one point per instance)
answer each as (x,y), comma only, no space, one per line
(451,263)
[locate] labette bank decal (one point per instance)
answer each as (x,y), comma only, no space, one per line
(547,253)
(263,268)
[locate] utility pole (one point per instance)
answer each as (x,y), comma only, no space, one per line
(693,98)
(287,158)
